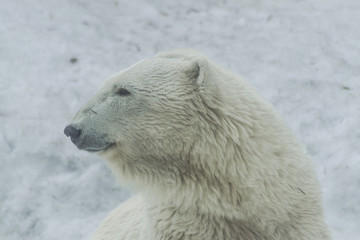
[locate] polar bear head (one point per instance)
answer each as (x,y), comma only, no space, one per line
(179,124)
(147,118)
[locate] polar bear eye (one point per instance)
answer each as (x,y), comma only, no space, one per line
(122,92)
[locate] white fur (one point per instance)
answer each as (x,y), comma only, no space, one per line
(210,158)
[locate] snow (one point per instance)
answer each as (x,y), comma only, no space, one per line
(302,55)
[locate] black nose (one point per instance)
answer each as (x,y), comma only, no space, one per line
(72,132)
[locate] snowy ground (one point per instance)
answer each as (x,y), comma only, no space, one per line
(303,56)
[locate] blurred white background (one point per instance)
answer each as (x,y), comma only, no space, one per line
(302,55)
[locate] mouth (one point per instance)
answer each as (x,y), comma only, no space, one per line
(96,150)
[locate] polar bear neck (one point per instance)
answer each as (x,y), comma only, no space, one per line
(228,155)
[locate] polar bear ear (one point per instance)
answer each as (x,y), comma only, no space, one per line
(195,64)
(196,70)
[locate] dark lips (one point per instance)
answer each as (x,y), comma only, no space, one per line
(93,150)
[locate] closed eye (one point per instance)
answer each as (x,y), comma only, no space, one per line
(123,92)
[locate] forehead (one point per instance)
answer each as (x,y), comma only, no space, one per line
(150,71)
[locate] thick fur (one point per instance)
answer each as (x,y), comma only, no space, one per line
(210,158)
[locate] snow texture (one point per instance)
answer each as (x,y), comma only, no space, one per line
(303,56)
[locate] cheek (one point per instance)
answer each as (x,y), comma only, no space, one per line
(147,120)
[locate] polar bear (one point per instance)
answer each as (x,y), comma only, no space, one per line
(209,158)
